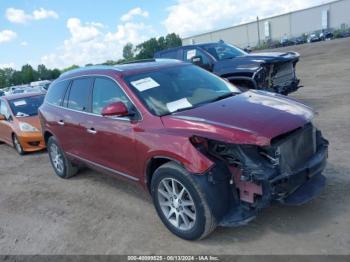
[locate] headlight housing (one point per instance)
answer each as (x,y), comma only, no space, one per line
(25,127)
(260,77)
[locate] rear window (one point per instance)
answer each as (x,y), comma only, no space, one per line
(27,106)
(169,54)
(56,92)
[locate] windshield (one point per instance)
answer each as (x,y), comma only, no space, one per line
(168,90)
(223,51)
(27,106)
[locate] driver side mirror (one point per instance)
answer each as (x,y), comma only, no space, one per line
(117,109)
(2,117)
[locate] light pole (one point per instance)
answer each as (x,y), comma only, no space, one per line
(257,22)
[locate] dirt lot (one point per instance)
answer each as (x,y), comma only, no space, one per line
(97,214)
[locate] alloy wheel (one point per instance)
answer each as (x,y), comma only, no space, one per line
(57,158)
(176,204)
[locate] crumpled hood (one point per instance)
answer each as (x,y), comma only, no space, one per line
(251,62)
(253,117)
(273,56)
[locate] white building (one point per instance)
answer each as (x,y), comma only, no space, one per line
(332,15)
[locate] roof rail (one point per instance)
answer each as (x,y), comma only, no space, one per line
(140,61)
(86,68)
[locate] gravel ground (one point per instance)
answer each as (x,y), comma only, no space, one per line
(98,214)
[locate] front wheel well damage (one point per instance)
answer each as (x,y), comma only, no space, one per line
(153,164)
(47,135)
(257,175)
(240,167)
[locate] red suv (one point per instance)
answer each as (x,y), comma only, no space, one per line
(209,154)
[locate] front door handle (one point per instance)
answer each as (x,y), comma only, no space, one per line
(91,130)
(61,122)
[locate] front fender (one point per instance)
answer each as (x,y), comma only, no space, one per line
(183,153)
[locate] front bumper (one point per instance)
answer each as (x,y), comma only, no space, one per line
(236,202)
(31,142)
(284,187)
(296,188)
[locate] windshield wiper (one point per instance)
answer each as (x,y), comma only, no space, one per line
(179,110)
(223,96)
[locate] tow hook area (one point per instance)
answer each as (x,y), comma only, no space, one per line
(239,215)
(306,192)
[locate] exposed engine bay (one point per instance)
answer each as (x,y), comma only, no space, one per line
(287,171)
(277,77)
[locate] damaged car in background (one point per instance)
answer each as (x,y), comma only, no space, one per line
(209,154)
(273,71)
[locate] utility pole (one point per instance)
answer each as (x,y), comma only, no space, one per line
(257,22)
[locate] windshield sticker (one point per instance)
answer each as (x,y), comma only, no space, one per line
(178,104)
(191,53)
(144,84)
(20,114)
(20,103)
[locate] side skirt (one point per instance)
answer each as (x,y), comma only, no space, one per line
(102,168)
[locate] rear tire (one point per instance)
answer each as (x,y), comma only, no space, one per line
(17,145)
(180,203)
(63,167)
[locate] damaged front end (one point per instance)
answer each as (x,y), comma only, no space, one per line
(247,178)
(277,77)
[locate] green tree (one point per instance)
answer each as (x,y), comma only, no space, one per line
(128,51)
(110,62)
(43,72)
(69,68)
(147,49)
(27,73)
(8,73)
(173,40)
(55,73)
(2,78)
(17,78)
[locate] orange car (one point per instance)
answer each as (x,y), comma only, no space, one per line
(19,122)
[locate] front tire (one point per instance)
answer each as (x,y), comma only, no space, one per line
(63,167)
(17,145)
(180,203)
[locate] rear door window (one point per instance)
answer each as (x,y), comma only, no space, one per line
(106,91)
(56,92)
(170,54)
(79,94)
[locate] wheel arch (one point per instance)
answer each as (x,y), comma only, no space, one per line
(47,135)
(237,79)
(153,164)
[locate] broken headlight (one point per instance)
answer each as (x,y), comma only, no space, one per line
(260,77)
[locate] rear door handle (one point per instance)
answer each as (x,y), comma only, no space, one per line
(91,130)
(61,122)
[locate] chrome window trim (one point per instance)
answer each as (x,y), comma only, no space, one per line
(90,113)
(104,167)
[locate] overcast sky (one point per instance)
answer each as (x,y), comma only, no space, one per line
(62,33)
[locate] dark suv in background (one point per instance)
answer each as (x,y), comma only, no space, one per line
(209,154)
(271,71)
